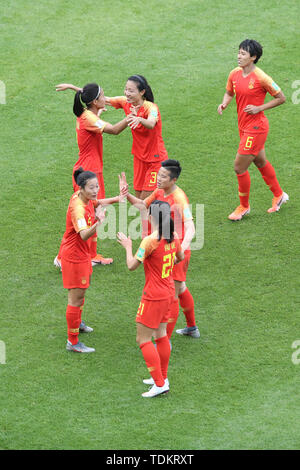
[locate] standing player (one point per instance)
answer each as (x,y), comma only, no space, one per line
(88,103)
(157,252)
(144,119)
(250,84)
(76,254)
(168,191)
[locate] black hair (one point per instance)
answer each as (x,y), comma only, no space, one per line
(89,93)
(173,166)
(161,212)
(253,47)
(81,177)
(142,84)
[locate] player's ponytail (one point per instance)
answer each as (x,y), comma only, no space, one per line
(84,97)
(81,177)
(142,84)
(161,213)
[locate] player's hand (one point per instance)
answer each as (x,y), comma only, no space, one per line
(133,121)
(221,108)
(134,110)
(101,110)
(123,187)
(100,213)
(251,109)
(122,181)
(123,240)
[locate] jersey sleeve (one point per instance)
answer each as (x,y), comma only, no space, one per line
(151,110)
(77,212)
(229,84)
(268,83)
(148,200)
(93,123)
(117,101)
(183,206)
(145,249)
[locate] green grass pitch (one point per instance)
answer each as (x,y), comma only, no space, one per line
(235,388)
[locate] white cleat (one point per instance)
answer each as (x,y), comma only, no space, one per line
(151,381)
(83,328)
(57,262)
(79,347)
(155,390)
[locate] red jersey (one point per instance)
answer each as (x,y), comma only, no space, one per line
(180,210)
(89,130)
(79,217)
(251,90)
(158,257)
(148,144)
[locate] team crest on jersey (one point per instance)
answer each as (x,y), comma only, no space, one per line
(251,83)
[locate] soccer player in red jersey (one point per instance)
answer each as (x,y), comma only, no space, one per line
(250,84)
(144,119)
(167,190)
(81,225)
(88,103)
(157,252)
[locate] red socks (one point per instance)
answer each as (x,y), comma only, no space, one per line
(93,246)
(269,176)
(244,188)
(152,360)
(164,352)
(173,317)
(187,304)
(73,321)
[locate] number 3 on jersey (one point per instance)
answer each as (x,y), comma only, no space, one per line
(168,264)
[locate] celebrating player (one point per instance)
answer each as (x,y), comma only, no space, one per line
(157,252)
(144,119)
(76,254)
(250,84)
(168,191)
(88,103)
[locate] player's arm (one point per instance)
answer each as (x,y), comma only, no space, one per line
(276,101)
(226,100)
(132,262)
(117,128)
(189,233)
(67,86)
(87,233)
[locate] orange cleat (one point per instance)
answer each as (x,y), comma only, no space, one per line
(99,259)
(277,202)
(239,213)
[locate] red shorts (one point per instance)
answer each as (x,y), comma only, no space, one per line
(76,275)
(145,174)
(101,192)
(152,313)
(251,144)
(180,269)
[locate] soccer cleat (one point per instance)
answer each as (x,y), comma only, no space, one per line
(83,328)
(189,331)
(99,259)
(277,202)
(239,213)
(57,262)
(155,390)
(151,381)
(79,347)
